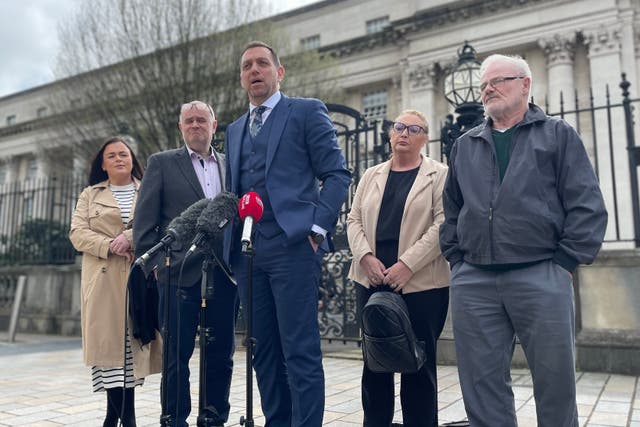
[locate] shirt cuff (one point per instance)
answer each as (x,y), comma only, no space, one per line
(317,229)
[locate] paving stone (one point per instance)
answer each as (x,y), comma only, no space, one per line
(51,387)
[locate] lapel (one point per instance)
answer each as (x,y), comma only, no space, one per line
(104,197)
(136,183)
(186,167)
(422,182)
(381,178)
(278,118)
(221,172)
(235,133)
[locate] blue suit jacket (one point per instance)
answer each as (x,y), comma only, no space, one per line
(302,151)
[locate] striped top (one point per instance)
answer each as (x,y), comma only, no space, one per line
(104,377)
(124,195)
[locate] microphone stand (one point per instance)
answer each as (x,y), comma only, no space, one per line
(205,333)
(165,418)
(205,337)
(247,250)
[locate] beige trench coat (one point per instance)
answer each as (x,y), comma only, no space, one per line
(418,243)
(96,222)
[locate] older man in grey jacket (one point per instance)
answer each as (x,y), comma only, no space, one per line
(523,209)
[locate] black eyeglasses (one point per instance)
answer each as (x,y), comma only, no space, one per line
(498,81)
(413,129)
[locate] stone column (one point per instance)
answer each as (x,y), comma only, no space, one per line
(80,164)
(559,51)
(401,84)
(604,45)
(604,53)
(636,44)
(421,97)
(13,169)
(398,87)
(628,40)
(43,164)
(9,197)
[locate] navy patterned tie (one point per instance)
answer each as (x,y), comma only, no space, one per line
(256,123)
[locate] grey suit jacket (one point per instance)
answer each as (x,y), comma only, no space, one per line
(169,186)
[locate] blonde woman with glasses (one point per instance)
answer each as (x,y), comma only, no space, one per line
(393,234)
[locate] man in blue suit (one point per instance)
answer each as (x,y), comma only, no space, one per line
(283,148)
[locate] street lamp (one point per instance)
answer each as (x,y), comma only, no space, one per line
(462,90)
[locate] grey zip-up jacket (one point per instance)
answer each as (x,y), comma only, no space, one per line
(548,206)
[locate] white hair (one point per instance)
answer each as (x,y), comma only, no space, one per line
(514,60)
(197,105)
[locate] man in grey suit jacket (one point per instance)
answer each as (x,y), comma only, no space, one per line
(173,181)
(294,151)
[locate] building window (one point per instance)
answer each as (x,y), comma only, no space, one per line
(11,120)
(374,104)
(310,43)
(41,112)
(377,25)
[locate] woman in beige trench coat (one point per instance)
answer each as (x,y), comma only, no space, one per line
(99,230)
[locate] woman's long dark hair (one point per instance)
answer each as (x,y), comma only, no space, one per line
(97,174)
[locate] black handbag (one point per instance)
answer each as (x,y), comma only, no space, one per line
(388,341)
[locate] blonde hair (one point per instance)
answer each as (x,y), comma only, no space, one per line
(418,114)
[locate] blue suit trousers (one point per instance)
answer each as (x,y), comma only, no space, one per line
(288,359)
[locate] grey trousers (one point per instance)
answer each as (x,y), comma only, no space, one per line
(489,309)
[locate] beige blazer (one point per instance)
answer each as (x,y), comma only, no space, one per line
(96,222)
(418,243)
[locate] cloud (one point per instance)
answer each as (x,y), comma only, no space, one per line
(28,30)
(28,33)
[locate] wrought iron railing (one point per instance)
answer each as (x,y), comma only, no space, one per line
(34,221)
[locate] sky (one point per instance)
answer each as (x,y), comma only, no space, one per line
(28,42)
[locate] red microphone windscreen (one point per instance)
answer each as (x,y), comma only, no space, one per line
(250,205)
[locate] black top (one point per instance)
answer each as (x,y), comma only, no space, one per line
(393,200)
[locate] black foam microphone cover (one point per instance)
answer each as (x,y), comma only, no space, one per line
(217,214)
(184,225)
(214,218)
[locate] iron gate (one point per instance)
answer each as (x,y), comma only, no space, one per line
(364,144)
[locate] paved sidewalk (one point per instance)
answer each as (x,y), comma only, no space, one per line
(44,383)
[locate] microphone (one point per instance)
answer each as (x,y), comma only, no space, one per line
(250,208)
(181,227)
(218,213)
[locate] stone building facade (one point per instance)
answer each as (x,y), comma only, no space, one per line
(395,56)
